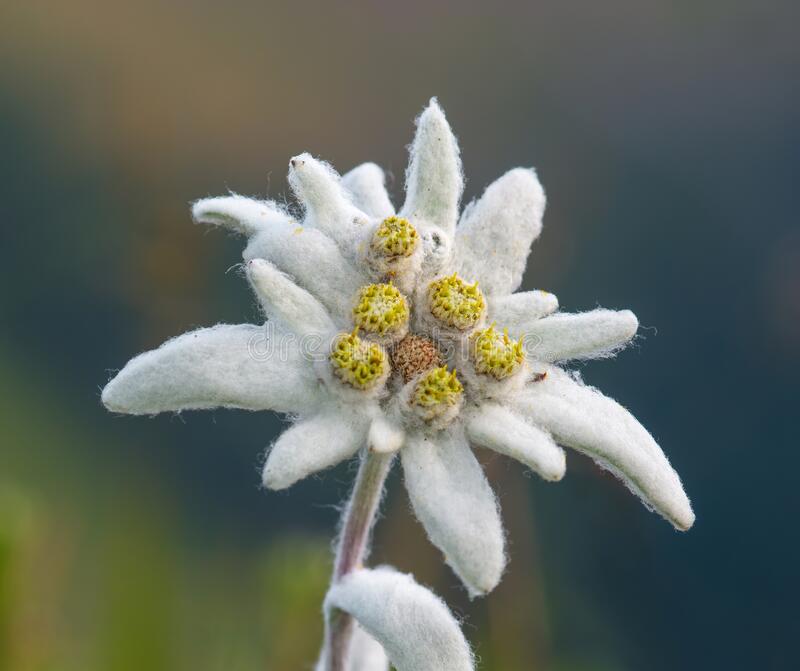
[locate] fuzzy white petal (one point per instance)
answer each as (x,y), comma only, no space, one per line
(239,366)
(506,432)
(385,436)
(494,236)
(584,335)
(412,624)
(518,311)
(314,261)
(456,505)
(287,303)
(580,417)
(327,203)
(366,654)
(314,444)
(238,213)
(434,181)
(367,187)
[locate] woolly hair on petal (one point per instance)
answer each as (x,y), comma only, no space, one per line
(585,335)
(238,213)
(287,303)
(495,233)
(582,418)
(366,184)
(434,181)
(518,311)
(365,654)
(313,445)
(327,203)
(223,366)
(497,428)
(453,500)
(314,261)
(412,624)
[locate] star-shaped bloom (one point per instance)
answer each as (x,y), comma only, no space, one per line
(402,332)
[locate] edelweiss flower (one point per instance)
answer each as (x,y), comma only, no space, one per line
(402,332)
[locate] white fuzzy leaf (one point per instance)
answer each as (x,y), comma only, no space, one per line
(517,312)
(584,335)
(498,428)
(366,185)
(412,624)
(580,417)
(238,213)
(433,180)
(366,654)
(495,233)
(327,203)
(223,366)
(287,303)
(453,500)
(314,444)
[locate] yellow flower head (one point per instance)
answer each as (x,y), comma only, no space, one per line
(395,237)
(438,389)
(359,363)
(458,304)
(381,309)
(496,354)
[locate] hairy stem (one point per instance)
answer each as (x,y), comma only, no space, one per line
(353,547)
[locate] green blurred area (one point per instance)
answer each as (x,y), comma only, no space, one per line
(667,136)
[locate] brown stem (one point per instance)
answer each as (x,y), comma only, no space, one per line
(353,547)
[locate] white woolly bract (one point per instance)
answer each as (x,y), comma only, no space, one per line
(241,366)
(580,417)
(412,624)
(517,312)
(308,256)
(385,436)
(498,428)
(238,213)
(495,233)
(584,335)
(433,180)
(367,187)
(366,654)
(314,444)
(285,302)
(453,500)
(314,261)
(327,204)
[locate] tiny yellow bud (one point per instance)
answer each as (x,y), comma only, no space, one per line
(395,237)
(381,309)
(438,390)
(458,304)
(495,354)
(359,363)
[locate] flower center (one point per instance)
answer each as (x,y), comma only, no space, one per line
(395,237)
(496,354)
(381,309)
(437,391)
(359,363)
(456,303)
(414,355)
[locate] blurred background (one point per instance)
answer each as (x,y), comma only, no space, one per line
(667,135)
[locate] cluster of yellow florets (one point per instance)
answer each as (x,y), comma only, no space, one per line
(496,354)
(438,387)
(395,237)
(458,304)
(381,309)
(357,362)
